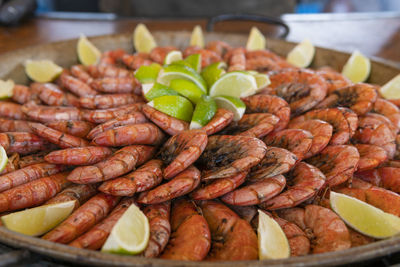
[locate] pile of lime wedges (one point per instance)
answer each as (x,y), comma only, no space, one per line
(183,90)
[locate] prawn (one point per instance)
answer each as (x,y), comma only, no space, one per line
(79,155)
(334,79)
(23,94)
(158,54)
(52,95)
(134,61)
(255,125)
(7,125)
(108,101)
(12,111)
(76,86)
(78,192)
(219,47)
(237,59)
(385,177)
(371,156)
(219,121)
(51,113)
(75,128)
(32,159)
(82,73)
(22,142)
(104,115)
(389,110)
(117,85)
(12,164)
(101,71)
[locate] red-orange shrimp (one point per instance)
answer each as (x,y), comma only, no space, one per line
(52,95)
(136,60)
(352,119)
(334,79)
(386,177)
(23,94)
(11,111)
(169,124)
(115,55)
(190,238)
(12,164)
(56,137)
(27,174)
(104,115)
(219,47)
(207,56)
(75,128)
(79,155)
(121,162)
(321,132)
(33,193)
(185,182)
(302,89)
(127,119)
(265,64)
(232,237)
(82,73)
(358,239)
(158,54)
(32,159)
(237,59)
(82,219)
(256,192)
(76,86)
(269,104)
(97,236)
(49,114)
(371,156)
(338,163)
(78,192)
(7,125)
(219,187)
(221,119)
(139,134)
(22,142)
(108,101)
(389,110)
(148,176)
(100,71)
(303,183)
(160,228)
(117,85)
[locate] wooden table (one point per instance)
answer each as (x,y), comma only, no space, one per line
(372,34)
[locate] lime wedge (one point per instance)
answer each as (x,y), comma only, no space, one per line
(175,106)
(391,90)
(176,71)
(235,83)
(143,41)
(197,38)
(203,112)
(233,104)
(39,220)
(302,54)
(256,40)
(130,234)
(6,89)
(42,71)
(88,54)
(357,67)
(151,91)
(148,74)
(3,158)
(272,241)
(213,72)
(172,57)
(365,218)
(187,89)
(194,61)
(262,80)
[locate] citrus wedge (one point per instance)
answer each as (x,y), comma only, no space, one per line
(302,54)
(213,72)
(233,104)
(256,40)
(176,71)
(88,54)
(154,90)
(391,90)
(148,74)
(235,83)
(365,218)
(172,57)
(3,158)
(175,106)
(6,89)
(197,38)
(130,234)
(272,241)
(357,67)
(203,112)
(187,89)
(194,61)
(39,220)
(42,70)
(262,80)
(143,40)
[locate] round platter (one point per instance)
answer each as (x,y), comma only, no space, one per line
(64,54)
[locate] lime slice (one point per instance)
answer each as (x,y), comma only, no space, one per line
(235,83)
(176,71)
(365,218)
(233,104)
(272,241)
(88,54)
(256,40)
(151,91)
(143,41)
(6,89)
(172,57)
(391,90)
(197,38)
(262,80)
(357,67)
(302,54)
(130,234)
(175,106)
(203,112)
(39,220)
(187,88)
(148,74)
(3,158)
(194,61)
(213,72)
(42,71)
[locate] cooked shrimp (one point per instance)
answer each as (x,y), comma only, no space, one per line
(169,124)
(79,155)
(207,56)
(12,111)
(358,239)
(22,142)
(104,115)
(52,95)
(50,114)
(386,177)
(101,71)
(117,85)
(23,94)
(7,125)
(78,192)
(81,72)
(371,156)
(76,86)
(352,119)
(255,125)
(264,64)
(237,59)
(158,54)
(32,159)
(226,155)
(108,101)
(136,60)
(219,47)
(12,164)
(389,110)
(75,128)
(181,151)
(221,119)
(334,79)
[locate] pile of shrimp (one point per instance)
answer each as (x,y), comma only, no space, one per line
(90,137)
